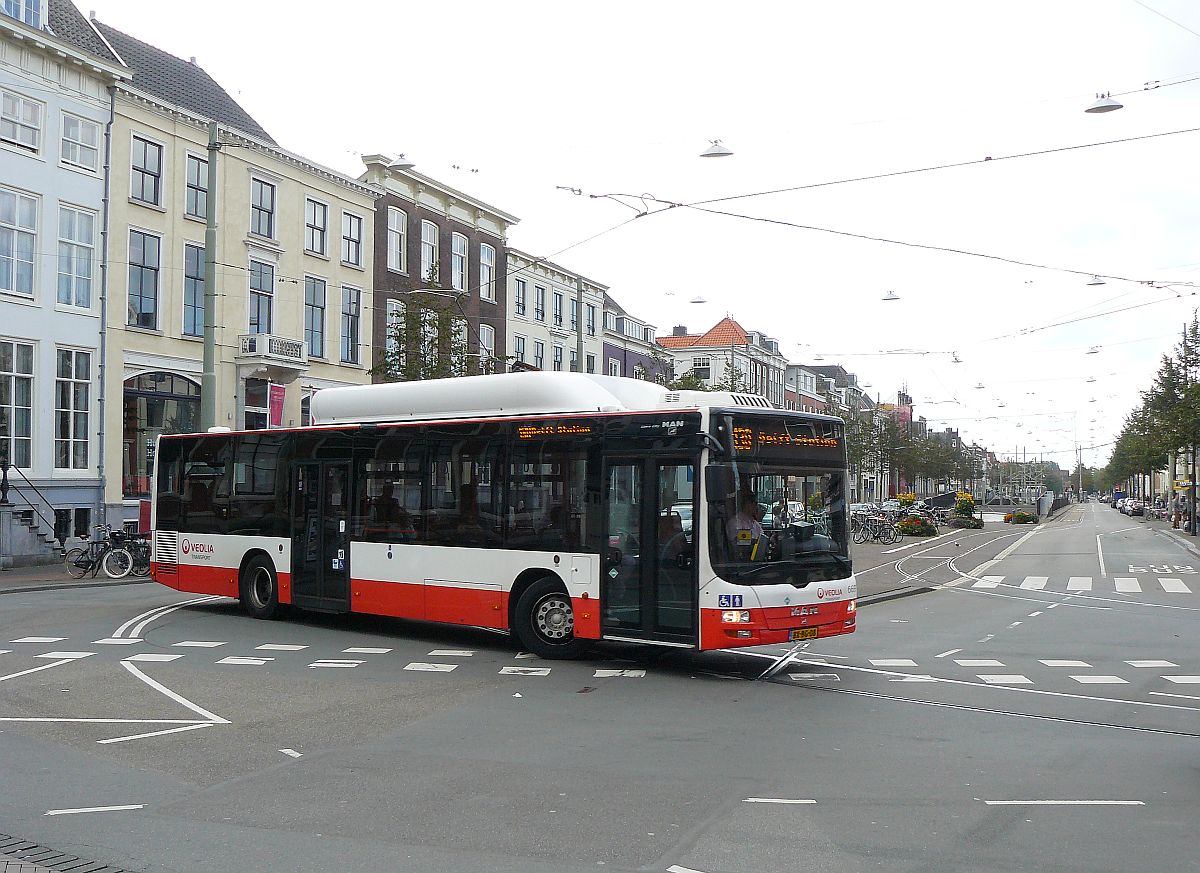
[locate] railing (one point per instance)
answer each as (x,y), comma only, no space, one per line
(270,347)
(7,487)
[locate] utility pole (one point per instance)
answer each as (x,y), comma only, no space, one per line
(208,378)
(579,324)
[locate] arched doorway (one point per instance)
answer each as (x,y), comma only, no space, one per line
(154,403)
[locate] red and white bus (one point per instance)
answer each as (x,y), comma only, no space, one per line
(562,507)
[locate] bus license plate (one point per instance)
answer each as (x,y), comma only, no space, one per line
(803,633)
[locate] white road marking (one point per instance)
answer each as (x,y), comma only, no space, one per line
(153,656)
(244,662)
(1054,663)
(815,677)
(519,656)
(987,638)
(1100,680)
(1015,624)
(176,730)
(1100,557)
(1065,802)
(199,644)
(608,674)
(1178,696)
(982,662)
(774,800)
(116,641)
(892,662)
(37,669)
(1151,663)
(150,615)
(365,650)
(524,671)
(1035,583)
(1128,585)
(41,720)
(38,640)
(1183,680)
(178,698)
(1034,614)
(950,652)
(988,582)
(1079,583)
(433,668)
(291,753)
(333,662)
(94,809)
(452,653)
(919,678)
(5,651)
(675,868)
(1005,679)
(279,647)
(70,656)
(921,542)
(1173,586)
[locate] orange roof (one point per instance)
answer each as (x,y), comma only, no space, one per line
(725,332)
(677,342)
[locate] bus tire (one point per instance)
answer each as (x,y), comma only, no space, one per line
(545,621)
(259,588)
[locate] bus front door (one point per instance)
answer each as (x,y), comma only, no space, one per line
(649,579)
(321,535)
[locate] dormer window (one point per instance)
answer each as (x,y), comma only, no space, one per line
(28,11)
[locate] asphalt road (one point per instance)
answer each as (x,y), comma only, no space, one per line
(1035,709)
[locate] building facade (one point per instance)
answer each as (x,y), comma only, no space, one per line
(53,123)
(440,270)
(545,324)
(730,356)
(631,346)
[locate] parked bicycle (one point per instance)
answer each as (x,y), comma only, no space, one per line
(139,547)
(876,528)
(105,550)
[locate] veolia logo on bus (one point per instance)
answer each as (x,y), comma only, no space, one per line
(199,550)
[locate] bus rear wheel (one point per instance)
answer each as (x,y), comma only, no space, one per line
(259,588)
(545,621)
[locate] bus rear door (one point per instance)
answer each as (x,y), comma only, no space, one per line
(321,535)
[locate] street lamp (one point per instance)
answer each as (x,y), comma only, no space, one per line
(1104,103)
(716,150)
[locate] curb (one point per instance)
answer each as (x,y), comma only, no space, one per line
(66,586)
(894,594)
(1178,538)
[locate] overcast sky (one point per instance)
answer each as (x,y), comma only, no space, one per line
(506,101)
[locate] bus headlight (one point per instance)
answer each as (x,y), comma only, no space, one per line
(852,606)
(735,617)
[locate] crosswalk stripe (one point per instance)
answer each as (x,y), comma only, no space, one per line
(1174,586)
(1128,585)
(988,582)
(1035,583)
(1079,583)
(422,667)
(1100,680)
(1005,679)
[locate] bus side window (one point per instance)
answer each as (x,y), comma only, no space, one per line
(205,499)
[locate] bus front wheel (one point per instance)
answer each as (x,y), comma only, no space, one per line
(260,588)
(545,621)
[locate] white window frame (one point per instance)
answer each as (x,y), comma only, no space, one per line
(75,252)
(67,142)
(395,319)
(257,210)
(134,170)
(350,347)
(268,293)
(352,239)
(556,358)
(430,248)
(78,431)
(309,332)
(487,346)
(520,296)
(591,363)
(539,353)
(29,11)
(14,232)
(558,309)
(312,244)
(614,367)
(11,407)
(487,272)
(519,348)
(539,303)
(201,190)
(154,269)
(199,307)
(19,121)
(397,240)
(459,261)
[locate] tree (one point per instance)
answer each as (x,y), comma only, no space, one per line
(426,341)
(733,379)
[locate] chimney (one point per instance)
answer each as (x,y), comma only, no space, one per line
(679,330)
(192,60)
(376,168)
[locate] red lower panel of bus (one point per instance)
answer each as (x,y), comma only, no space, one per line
(779,624)
(222,581)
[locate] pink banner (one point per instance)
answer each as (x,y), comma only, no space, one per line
(275,399)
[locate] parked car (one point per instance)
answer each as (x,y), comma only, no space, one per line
(1135,507)
(684,511)
(1120,504)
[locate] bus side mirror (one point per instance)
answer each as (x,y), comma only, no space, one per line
(720,484)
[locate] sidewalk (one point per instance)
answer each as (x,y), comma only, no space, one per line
(52,577)
(1163,528)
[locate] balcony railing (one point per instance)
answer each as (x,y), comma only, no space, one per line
(269,348)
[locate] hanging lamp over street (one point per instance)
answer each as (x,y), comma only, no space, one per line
(1104,103)
(716,150)
(1096,280)
(891,295)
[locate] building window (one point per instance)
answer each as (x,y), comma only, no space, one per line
(574,361)
(80,142)
(487,347)
(262,296)
(145,182)
(352,229)
(558,357)
(16,401)
(429,251)
(351,303)
(458,346)
(397,238)
(539,354)
(519,296)
(193,290)
(76,248)
(519,348)
(648,334)
(610,320)
(458,262)
(262,208)
(314,316)
(154,403)
(639,372)
(20,121)
(306,409)
(29,11)
(144,261)
(702,367)
(591,319)
(487,272)
(18,241)
(72,396)
(539,302)
(258,404)
(394,345)
(574,314)
(196,199)
(614,367)
(558,309)
(316,227)
(591,363)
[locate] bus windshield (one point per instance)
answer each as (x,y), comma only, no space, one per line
(779,523)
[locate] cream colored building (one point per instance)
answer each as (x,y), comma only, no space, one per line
(544,321)
(294,278)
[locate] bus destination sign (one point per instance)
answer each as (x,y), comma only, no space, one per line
(540,431)
(747,438)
